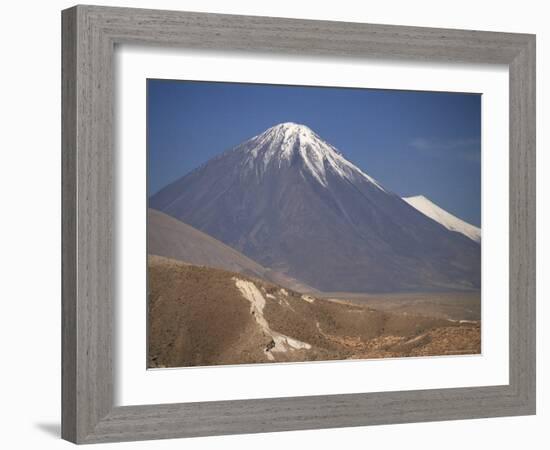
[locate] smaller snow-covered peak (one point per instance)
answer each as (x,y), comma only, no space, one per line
(417,198)
(449,221)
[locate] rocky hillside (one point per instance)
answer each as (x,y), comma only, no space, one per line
(204,316)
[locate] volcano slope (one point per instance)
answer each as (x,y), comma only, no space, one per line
(200,316)
(291,202)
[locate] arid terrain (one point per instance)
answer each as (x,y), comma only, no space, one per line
(201,316)
(465,306)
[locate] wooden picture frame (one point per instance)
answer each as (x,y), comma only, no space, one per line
(90,34)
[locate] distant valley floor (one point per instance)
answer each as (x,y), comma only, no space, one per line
(201,316)
(464,305)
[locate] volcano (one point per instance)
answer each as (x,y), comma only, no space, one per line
(293,203)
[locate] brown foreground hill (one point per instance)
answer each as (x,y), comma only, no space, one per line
(202,316)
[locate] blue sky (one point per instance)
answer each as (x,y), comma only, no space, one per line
(412,142)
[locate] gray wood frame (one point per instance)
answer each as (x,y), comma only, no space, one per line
(89,36)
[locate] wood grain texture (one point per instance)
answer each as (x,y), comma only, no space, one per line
(88,208)
(523,223)
(68,225)
(89,36)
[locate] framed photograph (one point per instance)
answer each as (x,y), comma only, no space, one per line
(277,224)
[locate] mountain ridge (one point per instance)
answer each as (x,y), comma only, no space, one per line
(171,238)
(445,218)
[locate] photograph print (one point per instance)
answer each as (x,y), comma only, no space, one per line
(299,223)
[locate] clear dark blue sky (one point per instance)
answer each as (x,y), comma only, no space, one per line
(412,142)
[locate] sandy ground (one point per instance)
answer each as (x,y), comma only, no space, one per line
(446,305)
(203,316)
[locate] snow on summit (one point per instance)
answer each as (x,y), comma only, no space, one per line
(453,223)
(279,145)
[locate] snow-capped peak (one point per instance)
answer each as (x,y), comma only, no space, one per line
(290,127)
(278,145)
(434,212)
